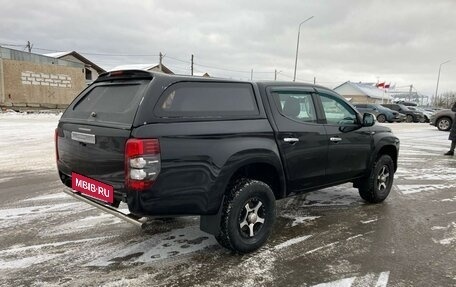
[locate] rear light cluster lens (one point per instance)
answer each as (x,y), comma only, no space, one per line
(142,163)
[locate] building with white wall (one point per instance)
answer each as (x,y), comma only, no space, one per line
(92,71)
(363,93)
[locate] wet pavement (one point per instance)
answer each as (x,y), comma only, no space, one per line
(324,238)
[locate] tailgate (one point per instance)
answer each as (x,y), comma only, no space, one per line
(93,151)
(94,129)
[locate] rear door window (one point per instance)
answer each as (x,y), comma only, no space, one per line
(114,103)
(203,100)
(297,106)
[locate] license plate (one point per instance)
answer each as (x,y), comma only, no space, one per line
(92,188)
(82,137)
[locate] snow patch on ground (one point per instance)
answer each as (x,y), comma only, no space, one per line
(26,261)
(177,242)
(415,188)
(18,248)
(449,234)
(260,269)
(34,211)
(337,195)
(47,197)
(297,220)
(36,138)
(103,219)
(366,280)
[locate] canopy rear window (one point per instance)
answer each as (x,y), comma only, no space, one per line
(108,103)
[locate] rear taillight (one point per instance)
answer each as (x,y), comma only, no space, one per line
(56,141)
(142,163)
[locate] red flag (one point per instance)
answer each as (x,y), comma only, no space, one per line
(381,85)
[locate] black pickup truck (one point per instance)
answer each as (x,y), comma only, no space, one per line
(222,149)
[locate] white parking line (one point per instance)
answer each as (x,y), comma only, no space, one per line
(383,279)
(321,247)
(291,242)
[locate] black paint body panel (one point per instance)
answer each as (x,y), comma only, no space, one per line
(199,156)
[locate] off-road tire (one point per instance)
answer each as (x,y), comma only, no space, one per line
(370,186)
(239,194)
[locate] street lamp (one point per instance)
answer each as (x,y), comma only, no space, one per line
(438,78)
(297,46)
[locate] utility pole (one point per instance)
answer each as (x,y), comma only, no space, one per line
(436,97)
(251,75)
(315,80)
(29,46)
(192,65)
(275,75)
(410,93)
(297,47)
(160,62)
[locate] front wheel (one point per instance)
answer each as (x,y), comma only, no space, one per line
(247,217)
(409,119)
(376,187)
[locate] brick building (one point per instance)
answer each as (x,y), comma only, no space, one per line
(33,80)
(92,71)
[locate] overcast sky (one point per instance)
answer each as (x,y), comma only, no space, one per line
(401,42)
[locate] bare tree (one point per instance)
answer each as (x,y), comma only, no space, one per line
(447,99)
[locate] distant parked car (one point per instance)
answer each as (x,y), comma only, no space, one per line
(383,114)
(407,104)
(427,114)
(412,116)
(443,119)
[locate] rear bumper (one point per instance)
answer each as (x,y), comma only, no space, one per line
(131,218)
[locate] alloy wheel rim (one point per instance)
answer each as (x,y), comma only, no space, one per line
(383,178)
(252,218)
(444,124)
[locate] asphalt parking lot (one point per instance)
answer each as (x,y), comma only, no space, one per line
(324,238)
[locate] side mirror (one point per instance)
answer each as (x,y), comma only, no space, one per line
(368,120)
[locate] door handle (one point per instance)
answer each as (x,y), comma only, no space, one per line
(335,139)
(290,140)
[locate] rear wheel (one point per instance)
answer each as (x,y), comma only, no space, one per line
(409,119)
(247,217)
(444,124)
(381,118)
(376,187)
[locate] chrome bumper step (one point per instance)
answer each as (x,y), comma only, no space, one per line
(131,218)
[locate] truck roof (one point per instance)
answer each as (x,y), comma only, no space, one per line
(152,74)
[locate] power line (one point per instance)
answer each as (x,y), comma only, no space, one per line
(247,72)
(85,53)
(11,45)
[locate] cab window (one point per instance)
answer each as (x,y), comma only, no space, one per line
(336,111)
